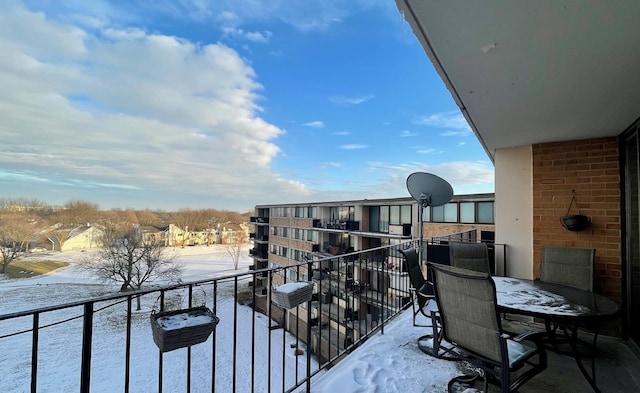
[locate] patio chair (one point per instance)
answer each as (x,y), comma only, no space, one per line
(421,290)
(471,323)
(470,256)
(422,294)
(570,266)
(574,267)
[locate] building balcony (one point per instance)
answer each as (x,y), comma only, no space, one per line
(259,220)
(258,253)
(111,347)
(337,225)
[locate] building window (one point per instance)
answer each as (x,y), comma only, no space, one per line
(461,212)
(451,212)
(394,215)
(405,214)
(485,213)
(280,212)
(437,214)
(384,219)
(467,212)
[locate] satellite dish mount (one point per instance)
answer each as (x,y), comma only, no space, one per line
(428,190)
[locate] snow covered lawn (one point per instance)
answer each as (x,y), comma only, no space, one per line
(389,362)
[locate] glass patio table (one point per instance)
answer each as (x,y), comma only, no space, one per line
(558,303)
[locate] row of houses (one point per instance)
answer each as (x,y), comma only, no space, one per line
(90,236)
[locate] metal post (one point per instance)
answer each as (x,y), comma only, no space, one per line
(421,229)
(87,333)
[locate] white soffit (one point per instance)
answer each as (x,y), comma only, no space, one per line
(526,72)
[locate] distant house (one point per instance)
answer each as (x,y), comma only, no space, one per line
(154,234)
(178,237)
(83,238)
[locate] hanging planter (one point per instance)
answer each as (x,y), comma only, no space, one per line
(575,222)
(182,328)
(292,294)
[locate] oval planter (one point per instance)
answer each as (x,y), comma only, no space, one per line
(576,222)
(182,328)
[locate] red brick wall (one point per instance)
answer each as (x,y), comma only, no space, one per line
(591,168)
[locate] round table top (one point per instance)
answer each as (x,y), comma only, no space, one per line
(542,299)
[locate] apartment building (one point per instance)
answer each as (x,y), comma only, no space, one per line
(325,233)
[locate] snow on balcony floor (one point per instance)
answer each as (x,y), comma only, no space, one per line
(389,362)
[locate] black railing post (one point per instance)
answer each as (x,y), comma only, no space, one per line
(34,352)
(87,333)
(309,308)
(235,335)
(127,366)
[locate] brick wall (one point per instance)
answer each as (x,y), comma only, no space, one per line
(437,229)
(591,168)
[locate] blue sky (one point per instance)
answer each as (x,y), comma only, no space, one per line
(222,104)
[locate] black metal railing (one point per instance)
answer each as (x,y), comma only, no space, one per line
(106,343)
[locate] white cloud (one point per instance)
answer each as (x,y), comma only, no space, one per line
(453,120)
(467,132)
(462,175)
(406,133)
(314,124)
(125,34)
(131,110)
(351,100)
(425,151)
(341,133)
(253,36)
(353,146)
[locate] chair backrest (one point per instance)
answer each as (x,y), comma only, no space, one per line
(570,266)
(470,256)
(467,305)
(415,274)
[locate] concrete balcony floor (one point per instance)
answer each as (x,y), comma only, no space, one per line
(392,362)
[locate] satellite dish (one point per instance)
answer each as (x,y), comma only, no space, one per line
(429,189)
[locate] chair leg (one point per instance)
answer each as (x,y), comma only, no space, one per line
(465,380)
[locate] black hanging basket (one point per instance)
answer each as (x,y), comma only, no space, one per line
(182,328)
(575,222)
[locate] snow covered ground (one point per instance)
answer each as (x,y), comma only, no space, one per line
(385,363)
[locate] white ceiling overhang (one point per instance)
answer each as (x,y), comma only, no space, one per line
(525,72)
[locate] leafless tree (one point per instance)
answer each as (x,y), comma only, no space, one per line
(79,213)
(15,232)
(234,246)
(128,259)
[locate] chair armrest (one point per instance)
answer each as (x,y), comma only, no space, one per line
(422,295)
(532,335)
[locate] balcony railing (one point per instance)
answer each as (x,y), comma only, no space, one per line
(259,220)
(107,342)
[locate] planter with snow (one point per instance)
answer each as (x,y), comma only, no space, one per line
(292,294)
(182,328)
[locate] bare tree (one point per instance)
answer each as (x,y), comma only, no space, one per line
(15,232)
(235,241)
(128,259)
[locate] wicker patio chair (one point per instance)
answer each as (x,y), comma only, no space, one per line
(471,323)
